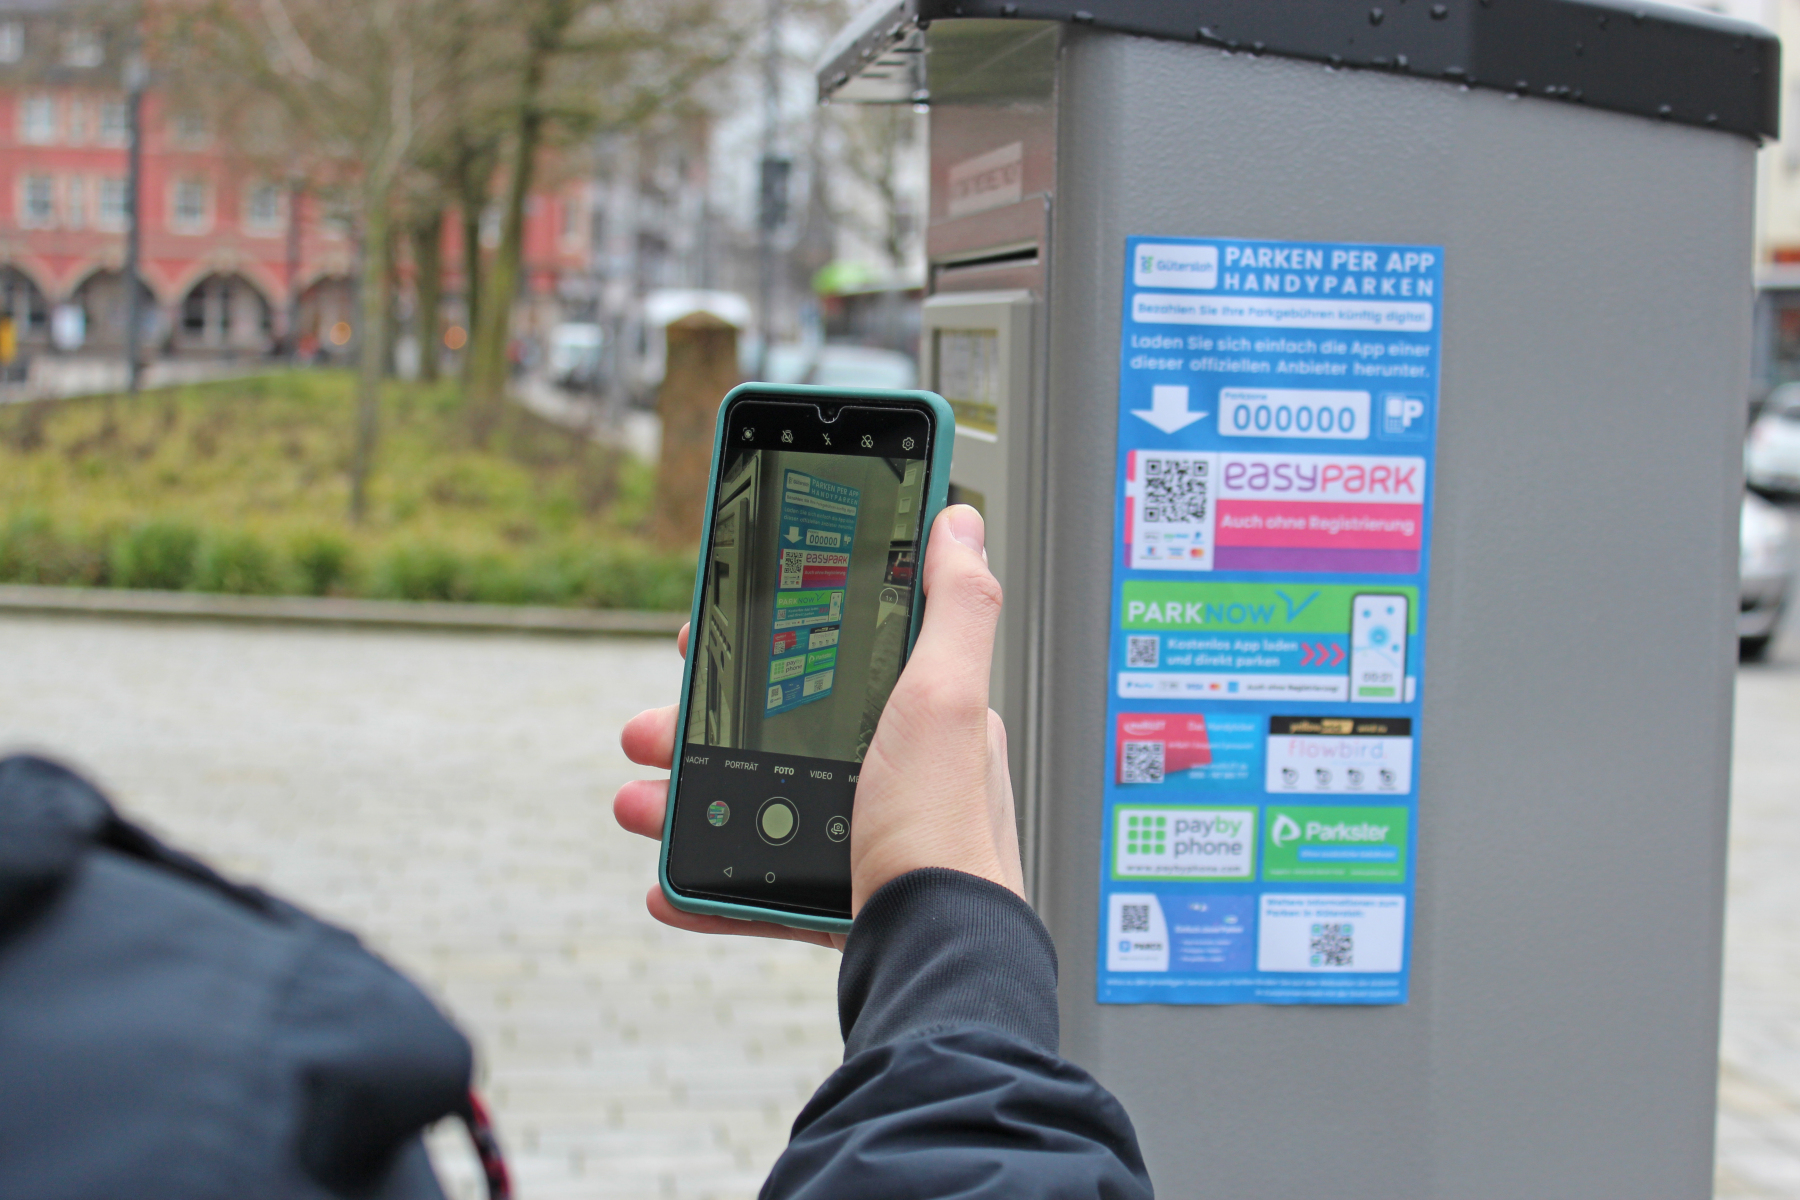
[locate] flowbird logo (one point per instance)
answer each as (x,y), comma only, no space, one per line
(1283,831)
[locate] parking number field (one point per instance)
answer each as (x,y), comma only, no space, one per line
(1293,413)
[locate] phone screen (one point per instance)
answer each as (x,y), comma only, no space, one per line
(810,583)
(1378,627)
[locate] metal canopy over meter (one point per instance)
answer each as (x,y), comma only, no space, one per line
(1370,740)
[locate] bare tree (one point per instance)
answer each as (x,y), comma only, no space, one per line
(873,145)
(354,85)
(582,66)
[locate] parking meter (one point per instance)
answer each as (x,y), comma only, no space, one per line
(1354,393)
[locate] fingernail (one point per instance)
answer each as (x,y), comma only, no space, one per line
(966,527)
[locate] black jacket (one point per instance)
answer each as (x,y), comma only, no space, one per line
(168,1035)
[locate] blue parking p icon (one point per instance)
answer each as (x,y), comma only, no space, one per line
(1403,417)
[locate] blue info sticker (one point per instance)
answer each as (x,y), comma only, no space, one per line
(812,571)
(1277,431)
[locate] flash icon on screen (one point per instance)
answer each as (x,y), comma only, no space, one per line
(787,435)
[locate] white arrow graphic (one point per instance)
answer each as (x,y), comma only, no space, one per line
(793,533)
(1168,409)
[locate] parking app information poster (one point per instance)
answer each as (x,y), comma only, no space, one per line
(1277,414)
(818,524)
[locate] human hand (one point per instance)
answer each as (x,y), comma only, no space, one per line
(934,788)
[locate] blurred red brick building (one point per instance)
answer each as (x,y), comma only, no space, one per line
(223,247)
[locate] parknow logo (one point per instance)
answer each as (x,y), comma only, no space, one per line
(1176,266)
(1284,830)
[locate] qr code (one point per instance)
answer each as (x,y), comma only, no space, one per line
(1142,651)
(793,568)
(1134,918)
(1175,490)
(1143,763)
(1333,945)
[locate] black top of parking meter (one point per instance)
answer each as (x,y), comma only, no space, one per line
(1676,65)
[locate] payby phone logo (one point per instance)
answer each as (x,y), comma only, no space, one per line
(1184,843)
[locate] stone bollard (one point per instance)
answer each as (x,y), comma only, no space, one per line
(701,367)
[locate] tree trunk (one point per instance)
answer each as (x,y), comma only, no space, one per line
(487,384)
(376,299)
(702,367)
(471,193)
(428,291)
(390,322)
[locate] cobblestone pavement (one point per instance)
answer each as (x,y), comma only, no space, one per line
(1759,1069)
(449,796)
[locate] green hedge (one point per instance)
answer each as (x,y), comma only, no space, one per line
(171,554)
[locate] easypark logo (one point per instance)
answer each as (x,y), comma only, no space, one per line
(1344,478)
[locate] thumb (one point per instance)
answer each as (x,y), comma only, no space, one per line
(956,637)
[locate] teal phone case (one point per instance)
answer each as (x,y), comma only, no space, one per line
(937,492)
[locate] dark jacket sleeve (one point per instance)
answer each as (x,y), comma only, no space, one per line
(951,1085)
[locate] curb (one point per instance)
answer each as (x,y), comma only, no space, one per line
(316,610)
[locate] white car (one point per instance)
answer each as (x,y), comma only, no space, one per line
(863,366)
(575,350)
(834,364)
(1765,573)
(1772,452)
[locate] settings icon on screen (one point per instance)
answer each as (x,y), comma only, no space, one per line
(906,443)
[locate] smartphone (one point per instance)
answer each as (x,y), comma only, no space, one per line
(806,604)
(1378,647)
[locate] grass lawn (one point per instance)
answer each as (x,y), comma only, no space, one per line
(243,486)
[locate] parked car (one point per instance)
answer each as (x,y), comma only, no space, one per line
(1765,573)
(1772,452)
(575,350)
(831,365)
(862,366)
(788,362)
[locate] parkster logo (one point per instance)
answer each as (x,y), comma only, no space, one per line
(1338,843)
(1176,266)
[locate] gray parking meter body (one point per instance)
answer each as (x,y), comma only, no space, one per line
(1586,172)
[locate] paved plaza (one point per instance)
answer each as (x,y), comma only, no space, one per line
(449,797)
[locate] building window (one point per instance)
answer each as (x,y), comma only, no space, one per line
(188,213)
(12,41)
(113,129)
(82,47)
(37,119)
(190,128)
(74,202)
(38,204)
(262,208)
(111,213)
(77,118)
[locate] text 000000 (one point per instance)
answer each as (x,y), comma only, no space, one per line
(1256,412)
